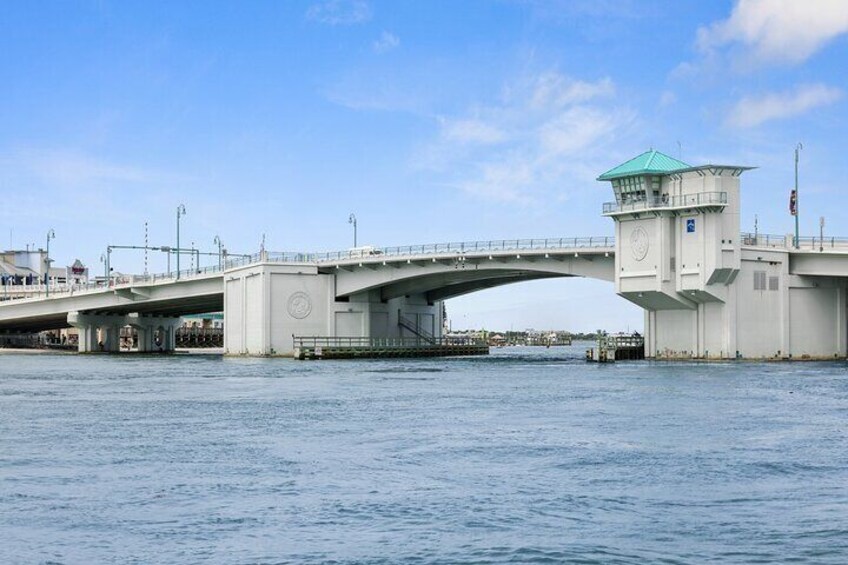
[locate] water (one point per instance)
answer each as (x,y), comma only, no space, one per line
(527,456)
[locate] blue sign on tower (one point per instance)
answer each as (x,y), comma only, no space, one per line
(690,225)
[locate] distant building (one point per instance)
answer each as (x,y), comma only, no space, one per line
(29,266)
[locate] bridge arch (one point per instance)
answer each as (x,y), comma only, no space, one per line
(449,277)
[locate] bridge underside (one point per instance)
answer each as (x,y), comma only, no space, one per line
(444,286)
(164,308)
(443,279)
(204,294)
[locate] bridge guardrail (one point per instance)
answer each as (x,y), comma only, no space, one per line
(10,292)
(787,241)
(470,247)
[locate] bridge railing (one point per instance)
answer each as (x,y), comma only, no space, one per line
(376,342)
(808,243)
(468,247)
(17,291)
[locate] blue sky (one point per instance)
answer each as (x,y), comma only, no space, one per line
(432,121)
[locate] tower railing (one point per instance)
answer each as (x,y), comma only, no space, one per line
(667,201)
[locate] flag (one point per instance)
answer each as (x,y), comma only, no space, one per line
(793,203)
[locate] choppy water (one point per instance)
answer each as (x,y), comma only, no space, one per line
(527,456)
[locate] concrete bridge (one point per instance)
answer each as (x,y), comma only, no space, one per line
(708,291)
(345,294)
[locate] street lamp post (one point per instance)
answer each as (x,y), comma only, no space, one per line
(217,241)
(180,212)
(797,208)
(105,269)
(352,220)
(50,235)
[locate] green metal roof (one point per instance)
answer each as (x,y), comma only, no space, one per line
(646,163)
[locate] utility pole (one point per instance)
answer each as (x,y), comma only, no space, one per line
(180,212)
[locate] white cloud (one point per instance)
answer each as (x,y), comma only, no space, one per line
(667,98)
(340,12)
(778,30)
(554,89)
(544,134)
(575,129)
(386,42)
(753,111)
(472,131)
(72,168)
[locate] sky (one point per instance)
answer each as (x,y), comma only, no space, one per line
(431,121)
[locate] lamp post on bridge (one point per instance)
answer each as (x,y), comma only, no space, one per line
(50,235)
(181,210)
(352,220)
(217,241)
(797,209)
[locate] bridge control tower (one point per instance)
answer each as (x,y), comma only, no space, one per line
(706,293)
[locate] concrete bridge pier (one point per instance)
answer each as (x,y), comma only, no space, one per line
(155,333)
(102,332)
(87,334)
(110,336)
(266,304)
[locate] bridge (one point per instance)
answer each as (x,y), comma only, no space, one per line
(412,278)
(708,291)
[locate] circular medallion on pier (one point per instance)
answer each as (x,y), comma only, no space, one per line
(300,305)
(639,243)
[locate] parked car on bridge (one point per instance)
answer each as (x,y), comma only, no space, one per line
(364,251)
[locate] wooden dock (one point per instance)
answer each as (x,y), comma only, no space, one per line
(612,348)
(374,348)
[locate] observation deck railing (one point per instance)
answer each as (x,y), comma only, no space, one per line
(668,202)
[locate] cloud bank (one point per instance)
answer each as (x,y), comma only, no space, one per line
(541,136)
(752,111)
(777,31)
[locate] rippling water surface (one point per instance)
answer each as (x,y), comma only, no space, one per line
(525,456)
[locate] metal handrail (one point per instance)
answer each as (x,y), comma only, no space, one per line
(371,342)
(467,247)
(666,201)
(413,326)
(20,292)
(788,241)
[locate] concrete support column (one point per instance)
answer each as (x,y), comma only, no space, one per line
(110,326)
(144,338)
(111,338)
(87,342)
(88,326)
(170,338)
(152,329)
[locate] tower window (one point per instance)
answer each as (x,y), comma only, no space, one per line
(759,280)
